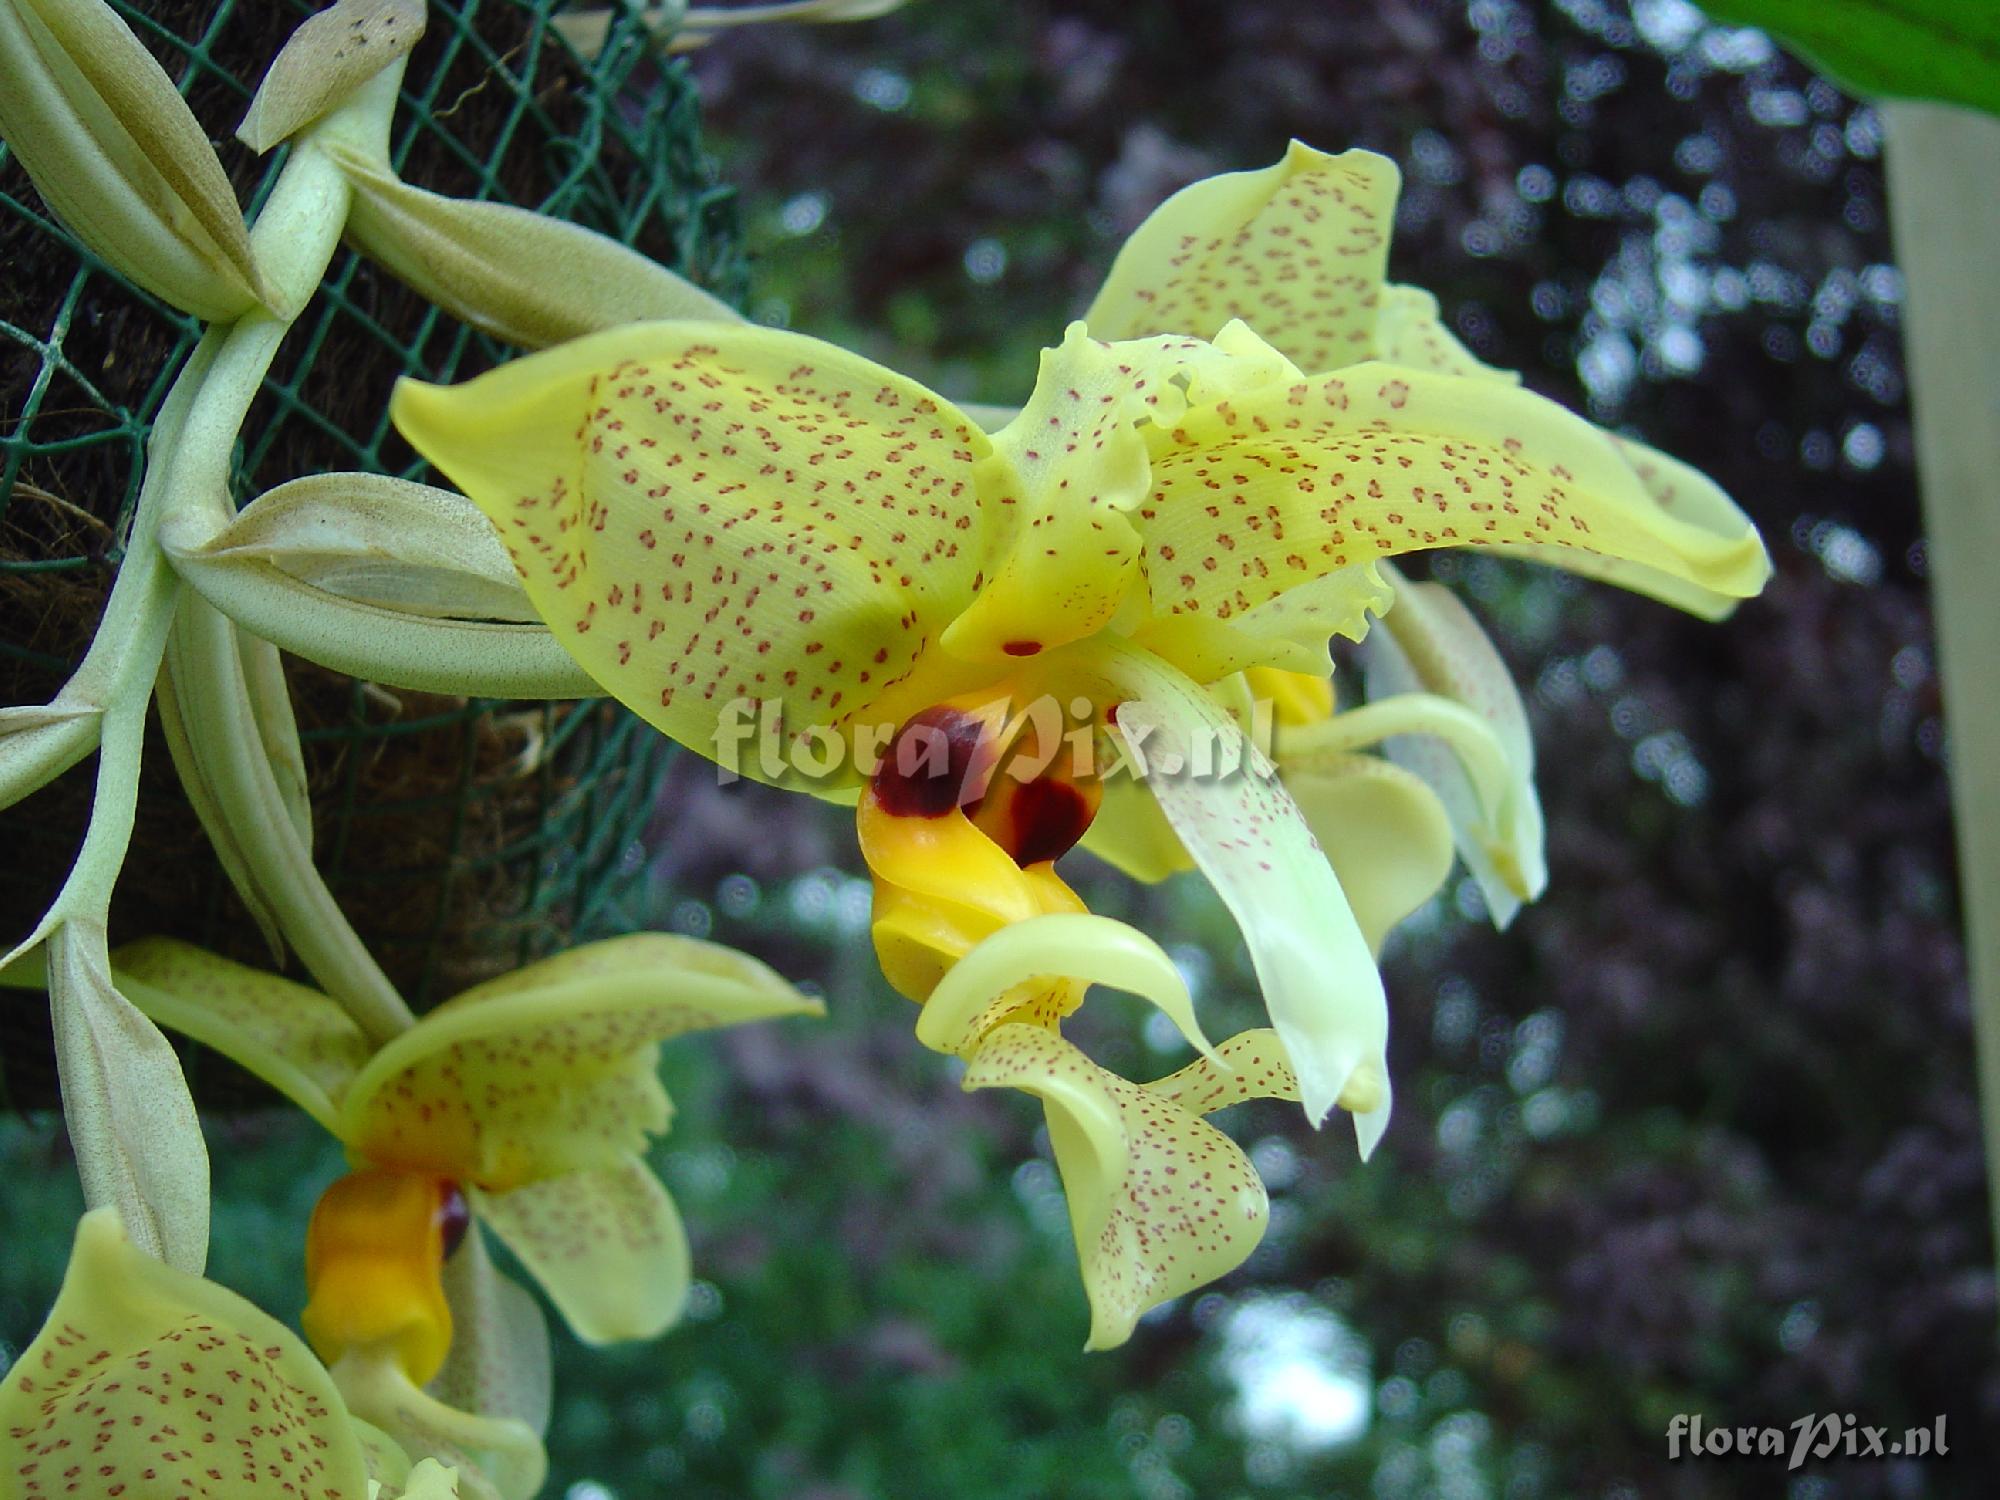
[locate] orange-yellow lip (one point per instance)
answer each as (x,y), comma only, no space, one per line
(375,1253)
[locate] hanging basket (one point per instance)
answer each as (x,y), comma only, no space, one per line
(461,836)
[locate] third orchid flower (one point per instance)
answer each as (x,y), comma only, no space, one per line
(522,1104)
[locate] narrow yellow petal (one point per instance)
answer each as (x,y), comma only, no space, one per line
(709,514)
(1296,250)
(1429,643)
(1160,1201)
(499,1364)
(606,1245)
(1409,332)
(169,1385)
(1242,828)
(294,1038)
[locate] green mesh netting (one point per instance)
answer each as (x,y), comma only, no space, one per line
(461,836)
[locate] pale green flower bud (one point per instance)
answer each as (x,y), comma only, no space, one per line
(116,154)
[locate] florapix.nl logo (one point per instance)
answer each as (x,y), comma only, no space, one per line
(1820,1436)
(1025,741)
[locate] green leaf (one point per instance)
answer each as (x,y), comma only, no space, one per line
(1947,50)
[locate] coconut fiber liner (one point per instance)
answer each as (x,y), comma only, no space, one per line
(461,837)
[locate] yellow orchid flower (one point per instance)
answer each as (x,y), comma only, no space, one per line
(729,526)
(523,1104)
(146,1380)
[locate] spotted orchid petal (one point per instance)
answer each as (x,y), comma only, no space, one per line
(998,980)
(709,512)
(1691,498)
(606,1245)
(1160,1201)
(1383,830)
(165,1383)
(1429,644)
(495,1458)
(1409,332)
(499,1364)
(550,1068)
(296,1039)
(1296,250)
(1250,1065)
(1246,833)
(1284,486)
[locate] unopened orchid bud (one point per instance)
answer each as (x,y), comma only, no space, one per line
(115,152)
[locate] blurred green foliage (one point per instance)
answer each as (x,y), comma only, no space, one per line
(1947,50)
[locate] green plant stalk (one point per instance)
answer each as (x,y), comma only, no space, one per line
(1944,197)
(218,719)
(187,475)
(119,667)
(38,744)
(223,743)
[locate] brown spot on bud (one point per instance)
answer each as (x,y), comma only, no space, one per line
(1022,648)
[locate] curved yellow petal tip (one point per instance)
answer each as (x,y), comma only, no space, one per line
(419,406)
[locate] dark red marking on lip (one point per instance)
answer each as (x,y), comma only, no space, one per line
(1022,648)
(931,764)
(1048,817)
(454,1216)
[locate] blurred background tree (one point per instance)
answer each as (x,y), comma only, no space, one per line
(1696,1135)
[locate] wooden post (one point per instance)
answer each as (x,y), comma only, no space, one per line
(1944,197)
